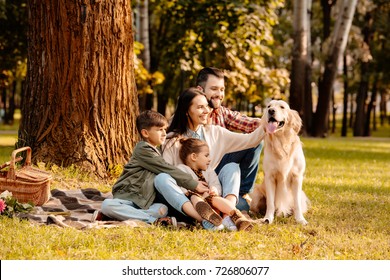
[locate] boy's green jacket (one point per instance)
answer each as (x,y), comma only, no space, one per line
(136,182)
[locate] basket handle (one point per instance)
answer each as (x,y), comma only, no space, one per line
(4,165)
(11,171)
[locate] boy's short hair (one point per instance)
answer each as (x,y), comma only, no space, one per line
(204,74)
(148,119)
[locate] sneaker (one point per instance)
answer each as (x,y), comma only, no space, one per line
(207,212)
(97,216)
(209,226)
(166,222)
(229,224)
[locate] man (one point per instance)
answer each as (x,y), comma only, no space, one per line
(211,81)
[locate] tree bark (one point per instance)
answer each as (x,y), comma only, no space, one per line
(339,41)
(362,93)
(146,100)
(299,59)
(345,98)
(80,101)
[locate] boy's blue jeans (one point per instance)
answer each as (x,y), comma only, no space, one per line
(121,209)
(229,176)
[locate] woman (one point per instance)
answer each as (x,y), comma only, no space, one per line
(190,120)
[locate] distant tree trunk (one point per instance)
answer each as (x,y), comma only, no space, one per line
(299,57)
(362,94)
(371,109)
(351,115)
(308,99)
(339,41)
(382,106)
(80,101)
(334,110)
(146,100)
(345,98)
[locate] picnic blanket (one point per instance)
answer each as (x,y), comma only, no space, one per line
(74,208)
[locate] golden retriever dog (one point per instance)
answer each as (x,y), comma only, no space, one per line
(283,165)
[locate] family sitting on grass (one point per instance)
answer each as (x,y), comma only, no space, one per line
(199,171)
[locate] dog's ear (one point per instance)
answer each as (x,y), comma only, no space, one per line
(296,121)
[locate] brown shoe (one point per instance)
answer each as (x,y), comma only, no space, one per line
(241,222)
(208,213)
(166,222)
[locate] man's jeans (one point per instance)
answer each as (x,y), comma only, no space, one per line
(248,161)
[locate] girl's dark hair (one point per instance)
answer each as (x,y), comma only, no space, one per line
(148,119)
(189,146)
(179,121)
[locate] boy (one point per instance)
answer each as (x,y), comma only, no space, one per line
(134,195)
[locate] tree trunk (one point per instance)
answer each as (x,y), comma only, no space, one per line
(382,106)
(80,101)
(299,59)
(146,100)
(339,41)
(345,98)
(308,99)
(334,110)
(362,94)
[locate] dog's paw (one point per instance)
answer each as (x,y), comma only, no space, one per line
(302,221)
(267,220)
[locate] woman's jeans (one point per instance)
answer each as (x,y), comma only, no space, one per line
(229,176)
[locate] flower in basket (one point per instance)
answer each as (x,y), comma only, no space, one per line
(2,206)
(9,206)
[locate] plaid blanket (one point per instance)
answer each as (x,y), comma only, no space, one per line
(74,208)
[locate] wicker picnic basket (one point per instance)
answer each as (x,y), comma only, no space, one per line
(27,184)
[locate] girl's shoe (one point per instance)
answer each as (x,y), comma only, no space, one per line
(208,213)
(209,226)
(229,224)
(241,222)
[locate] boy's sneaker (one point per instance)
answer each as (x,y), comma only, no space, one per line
(166,222)
(97,216)
(209,226)
(229,224)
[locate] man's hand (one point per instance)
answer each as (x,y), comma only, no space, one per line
(202,187)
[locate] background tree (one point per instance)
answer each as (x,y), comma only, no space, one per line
(80,102)
(334,53)
(300,87)
(13,56)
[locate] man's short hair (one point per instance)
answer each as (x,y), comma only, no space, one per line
(148,119)
(204,74)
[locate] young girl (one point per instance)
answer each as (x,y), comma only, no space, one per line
(195,155)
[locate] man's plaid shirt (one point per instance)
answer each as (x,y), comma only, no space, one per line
(233,120)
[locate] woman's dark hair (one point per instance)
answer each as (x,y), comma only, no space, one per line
(179,123)
(189,146)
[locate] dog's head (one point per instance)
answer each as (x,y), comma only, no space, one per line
(278,116)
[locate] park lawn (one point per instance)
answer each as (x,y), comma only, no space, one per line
(347,181)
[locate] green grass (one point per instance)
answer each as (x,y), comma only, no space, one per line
(347,181)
